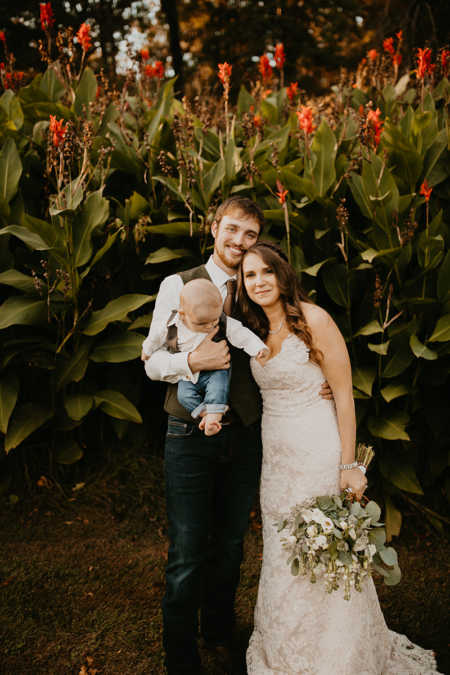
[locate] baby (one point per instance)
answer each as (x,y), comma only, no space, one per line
(200,311)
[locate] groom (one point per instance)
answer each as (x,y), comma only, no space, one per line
(211,481)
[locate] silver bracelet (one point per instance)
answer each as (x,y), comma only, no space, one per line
(347,467)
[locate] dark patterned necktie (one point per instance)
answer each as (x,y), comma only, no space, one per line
(230,297)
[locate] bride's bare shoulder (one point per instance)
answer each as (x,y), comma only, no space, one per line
(316,317)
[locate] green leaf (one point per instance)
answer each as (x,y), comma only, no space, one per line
(10,105)
(393,519)
(16,279)
(370,328)
(26,418)
(118,348)
(142,321)
(363,379)
(31,239)
(162,109)
(313,270)
(335,282)
(441,331)
(393,576)
(9,392)
(245,100)
(400,473)
(398,363)
(115,310)
(165,254)
(111,238)
(213,179)
(68,199)
(78,405)
(373,511)
(51,86)
(443,283)
(174,229)
(324,148)
(381,349)
(10,171)
(391,427)
(115,404)
(85,93)
(18,310)
(389,556)
(420,350)
(69,453)
(392,391)
(94,213)
(75,368)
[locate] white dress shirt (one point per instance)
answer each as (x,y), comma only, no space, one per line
(162,365)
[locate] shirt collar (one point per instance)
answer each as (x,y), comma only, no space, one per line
(218,276)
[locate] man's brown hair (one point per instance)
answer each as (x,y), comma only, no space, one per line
(244,205)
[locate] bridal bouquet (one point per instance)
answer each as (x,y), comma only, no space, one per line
(338,540)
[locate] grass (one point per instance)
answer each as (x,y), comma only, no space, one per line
(82,578)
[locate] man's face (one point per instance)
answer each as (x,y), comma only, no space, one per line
(233,236)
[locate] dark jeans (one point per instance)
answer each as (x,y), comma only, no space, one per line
(211,483)
(209,393)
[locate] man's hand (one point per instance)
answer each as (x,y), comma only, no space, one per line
(210,355)
(325,391)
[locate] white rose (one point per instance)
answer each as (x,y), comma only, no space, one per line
(342,524)
(311,531)
(321,541)
(291,539)
(372,549)
(352,533)
(327,525)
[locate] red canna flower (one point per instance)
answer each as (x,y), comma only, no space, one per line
(2,36)
(46,15)
(399,36)
(57,130)
(445,59)
(145,54)
(424,65)
(305,119)
(148,70)
(84,36)
(224,73)
(265,68)
(159,70)
(373,121)
(280,56)
(372,55)
(257,121)
(292,91)
(388,45)
(426,190)
(397,58)
(281,193)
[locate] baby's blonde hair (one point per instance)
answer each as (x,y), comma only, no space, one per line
(199,298)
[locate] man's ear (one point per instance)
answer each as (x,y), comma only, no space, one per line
(214,227)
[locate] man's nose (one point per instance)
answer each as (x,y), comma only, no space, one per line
(238,238)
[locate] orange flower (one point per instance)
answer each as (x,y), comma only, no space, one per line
(397,58)
(424,65)
(84,36)
(145,54)
(399,35)
(57,130)
(426,190)
(46,15)
(224,73)
(281,193)
(373,121)
(388,45)
(292,91)
(305,117)
(2,36)
(372,55)
(445,58)
(257,121)
(265,68)
(159,70)
(280,56)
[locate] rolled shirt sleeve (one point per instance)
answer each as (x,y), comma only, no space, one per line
(162,364)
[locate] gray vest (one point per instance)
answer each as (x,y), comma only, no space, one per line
(244,399)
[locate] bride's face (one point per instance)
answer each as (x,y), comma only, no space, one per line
(260,281)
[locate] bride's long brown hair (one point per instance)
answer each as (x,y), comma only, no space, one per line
(291,295)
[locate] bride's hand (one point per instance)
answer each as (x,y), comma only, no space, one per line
(355,481)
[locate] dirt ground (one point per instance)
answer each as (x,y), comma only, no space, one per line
(82,577)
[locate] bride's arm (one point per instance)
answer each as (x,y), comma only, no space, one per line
(336,368)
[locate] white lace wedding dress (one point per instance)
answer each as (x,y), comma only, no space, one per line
(299,628)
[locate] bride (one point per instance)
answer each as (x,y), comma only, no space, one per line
(308,450)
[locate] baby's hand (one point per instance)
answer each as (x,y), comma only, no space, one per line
(262,356)
(144,356)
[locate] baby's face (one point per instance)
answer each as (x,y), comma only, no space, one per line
(202,320)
